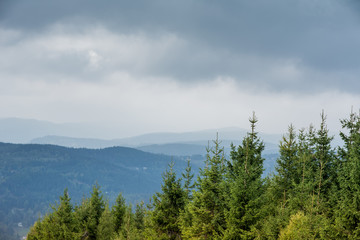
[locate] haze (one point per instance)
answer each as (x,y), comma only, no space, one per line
(153,66)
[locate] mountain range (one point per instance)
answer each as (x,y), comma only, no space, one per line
(83,135)
(34,174)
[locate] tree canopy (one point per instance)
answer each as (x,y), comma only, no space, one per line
(314,194)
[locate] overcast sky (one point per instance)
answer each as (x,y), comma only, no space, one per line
(165,65)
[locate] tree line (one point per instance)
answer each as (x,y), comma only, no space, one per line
(314,194)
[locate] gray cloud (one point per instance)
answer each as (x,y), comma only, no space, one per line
(298,46)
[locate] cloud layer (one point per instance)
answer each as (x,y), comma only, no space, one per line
(179,65)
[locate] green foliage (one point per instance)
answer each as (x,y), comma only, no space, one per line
(325,160)
(304,186)
(204,216)
(168,204)
(348,208)
(303,226)
(32,177)
(118,212)
(315,194)
(245,185)
(188,181)
(95,210)
(139,217)
(60,224)
(287,163)
(105,228)
(128,229)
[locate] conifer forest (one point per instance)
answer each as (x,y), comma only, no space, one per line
(314,193)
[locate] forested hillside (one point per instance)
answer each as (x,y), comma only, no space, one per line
(314,194)
(33,176)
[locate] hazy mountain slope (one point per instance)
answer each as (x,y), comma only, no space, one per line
(187,149)
(226,136)
(175,149)
(33,176)
(17,130)
(77,142)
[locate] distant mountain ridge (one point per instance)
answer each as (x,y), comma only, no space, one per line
(225,134)
(17,130)
(173,144)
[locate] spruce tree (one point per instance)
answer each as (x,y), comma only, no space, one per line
(118,211)
(348,207)
(60,224)
(245,185)
(89,213)
(139,217)
(105,229)
(168,204)
(204,217)
(188,182)
(127,230)
(35,232)
(325,161)
(287,165)
(303,187)
(65,217)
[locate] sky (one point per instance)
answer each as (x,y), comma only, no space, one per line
(164,65)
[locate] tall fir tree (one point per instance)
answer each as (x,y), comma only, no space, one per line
(139,216)
(204,217)
(167,205)
(287,165)
(188,181)
(303,184)
(118,211)
(89,213)
(325,161)
(105,229)
(60,224)
(245,185)
(348,207)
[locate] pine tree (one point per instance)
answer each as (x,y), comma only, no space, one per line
(305,186)
(139,216)
(245,185)
(325,160)
(105,229)
(65,217)
(287,165)
(348,208)
(89,213)
(118,211)
(188,183)
(280,192)
(168,204)
(35,232)
(204,217)
(127,230)
(60,224)
(302,226)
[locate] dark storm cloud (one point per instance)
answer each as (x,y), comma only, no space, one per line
(244,40)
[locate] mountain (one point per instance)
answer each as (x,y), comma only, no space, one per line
(175,149)
(86,135)
(197,148)
(195,142)
(33,176)
(18,130)
(77,142)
